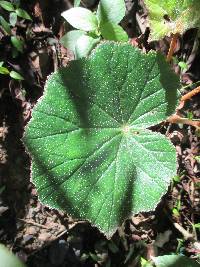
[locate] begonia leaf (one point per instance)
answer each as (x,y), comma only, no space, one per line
(93,154)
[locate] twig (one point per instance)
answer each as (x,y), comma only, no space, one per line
(172,47)
(61,233)
(183,231)
(177,119)
(34,223)
(191,94)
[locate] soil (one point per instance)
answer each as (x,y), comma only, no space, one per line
(42,237)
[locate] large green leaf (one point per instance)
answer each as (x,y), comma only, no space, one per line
(182,15)
(174,261)
(92,154)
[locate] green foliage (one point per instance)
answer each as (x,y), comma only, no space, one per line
(15,12)
(17,43)
(181,16)
(5,25)
(93,154)
(111,11)
(113,32)
(7,259)
(70,39)
(81,18)
(13,74)
(174,261)
(77,2)
(145,263)
(7,5)
(84,45)
(22,14)
(94,27)
(197,158)
(13,18)
(3,70)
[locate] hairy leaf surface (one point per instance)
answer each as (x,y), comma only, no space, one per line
(92,154)
(173,16)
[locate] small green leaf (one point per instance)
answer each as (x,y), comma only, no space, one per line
(177,178)
(15,75)
(197,158)
(81,18)
(23,14)
(1,63)
(175,212)
(17,43)
(70,39)
(111,11)
(174,261)
(95,257)
(13,18)
(145,263)
(182,15)
(84,46)
(113,32)
(190,115)
(77,3)
(5,25)
(4,70)
(183,65)
(93,154)
(8,259)
(197,225)
(7,5)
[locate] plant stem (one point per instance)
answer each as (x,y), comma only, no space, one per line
(191,94)
(177,119)
(172,47)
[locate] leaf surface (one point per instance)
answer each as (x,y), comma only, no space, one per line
(5,25)
(84,45)
(173,16)
(92,154)
(81,18)
(111,11)
(8,259)
(69,39)
(7,5)
(113,32)
(15,75)
(13,18)
(23,14)
(174,261)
